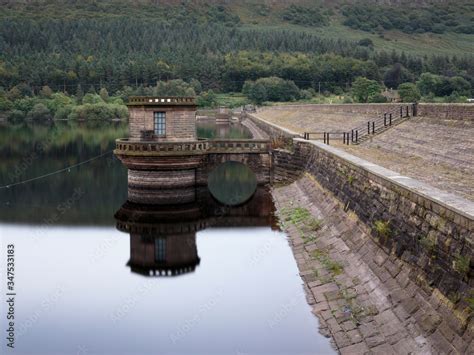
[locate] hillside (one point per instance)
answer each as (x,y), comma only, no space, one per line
(421,27)
(76,46)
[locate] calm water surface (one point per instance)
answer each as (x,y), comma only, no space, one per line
(83,279)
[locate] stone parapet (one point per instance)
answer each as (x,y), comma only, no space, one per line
(463,112)
(369,109)
(131,147)
(161,101)
(271,129)
(443,111)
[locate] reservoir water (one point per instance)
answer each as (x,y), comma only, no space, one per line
(95,274)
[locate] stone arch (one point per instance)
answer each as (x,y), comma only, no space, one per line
(259,163)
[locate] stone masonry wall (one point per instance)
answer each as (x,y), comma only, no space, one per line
(272,130)
(180,122)
(447,111)
(443,111)
(430,229)
(369,109)
(286,166)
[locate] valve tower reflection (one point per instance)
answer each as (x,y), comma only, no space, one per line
(163,234)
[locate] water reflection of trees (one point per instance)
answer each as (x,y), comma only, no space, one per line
(232,183)
(209,129)
(32,150)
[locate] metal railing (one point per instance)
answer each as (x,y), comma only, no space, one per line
(360,133)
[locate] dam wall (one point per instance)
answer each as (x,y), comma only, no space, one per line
(431,230)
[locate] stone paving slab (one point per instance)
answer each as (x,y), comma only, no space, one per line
(364,299)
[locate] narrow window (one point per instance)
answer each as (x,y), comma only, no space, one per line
(160,249)
(160,123)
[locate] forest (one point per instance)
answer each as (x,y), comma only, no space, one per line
(129,48)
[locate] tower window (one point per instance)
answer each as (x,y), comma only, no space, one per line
(159,119)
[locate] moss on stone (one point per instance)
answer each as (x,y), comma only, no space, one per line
(382,227)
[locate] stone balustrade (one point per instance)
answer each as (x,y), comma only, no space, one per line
(239,146)
(125,146)
(161,100)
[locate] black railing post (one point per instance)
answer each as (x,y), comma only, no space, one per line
(390,119)
(357,135)
(384,119)
(327,139)
(368,127)
(347,142)
(401,111)
(343,137)
(414,110)
(408,112)
(324,135)
(373,127)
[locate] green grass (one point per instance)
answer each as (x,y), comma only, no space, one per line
(449,43)
(232,100)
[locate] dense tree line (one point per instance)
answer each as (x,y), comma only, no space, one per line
(61,68)
(440,18)
(126,52)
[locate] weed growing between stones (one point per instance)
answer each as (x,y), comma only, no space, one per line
(462,263)
(298,215)
(428,243)
(302,219)
(382,228)
(351,309)
(470,301)
(350,179)
(308,239)
(314,224)
(330,265)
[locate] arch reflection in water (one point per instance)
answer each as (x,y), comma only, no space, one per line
(232,183)
(163,237)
